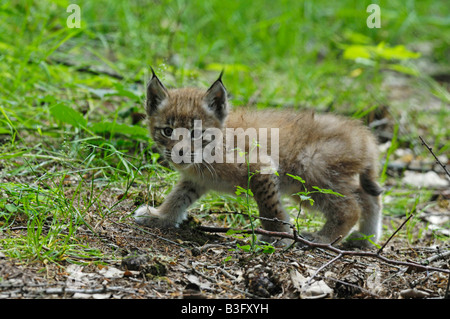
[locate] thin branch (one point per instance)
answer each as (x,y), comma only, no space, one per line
(392,236)
(336,240)
(323,267)
(255,217)
(437,159)
(436,257)
(329,247)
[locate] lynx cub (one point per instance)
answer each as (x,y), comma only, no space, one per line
(327,151)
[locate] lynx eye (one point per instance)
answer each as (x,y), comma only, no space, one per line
(167,131)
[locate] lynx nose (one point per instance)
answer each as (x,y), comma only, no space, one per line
(181,152)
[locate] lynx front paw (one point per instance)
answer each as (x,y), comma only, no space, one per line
(150,217)
(276,242)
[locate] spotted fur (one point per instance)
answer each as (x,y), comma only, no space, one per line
(327,151)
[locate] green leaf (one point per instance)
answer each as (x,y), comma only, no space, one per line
(227,67)
(398,52)
(4,131)
(403,69)
(245,248)
(353,52)
(240,190)
(355,37)
(304,197)
(380,51)
(268,249)
(11,208)
(327,191)
(68,115)
(12,155)
(298,178)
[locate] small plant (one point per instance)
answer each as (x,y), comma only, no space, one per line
(381,56)
(248,193)
(305,196)
(255,246)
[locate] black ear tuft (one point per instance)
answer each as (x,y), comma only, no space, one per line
(153,72)
(216,98)
(156,94)
(220,76)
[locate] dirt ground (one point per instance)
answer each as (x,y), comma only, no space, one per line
(187,263)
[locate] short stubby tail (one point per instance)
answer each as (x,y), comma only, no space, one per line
(368,183)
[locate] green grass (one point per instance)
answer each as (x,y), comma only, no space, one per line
(67,137)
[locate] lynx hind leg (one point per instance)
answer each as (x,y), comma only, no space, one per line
(341,216)
(370,223)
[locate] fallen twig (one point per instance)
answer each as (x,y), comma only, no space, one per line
(254,216)
(392,236)
(440,255)
(340,252)
(437,159)
(323,267)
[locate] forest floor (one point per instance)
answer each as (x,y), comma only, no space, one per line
(188,263)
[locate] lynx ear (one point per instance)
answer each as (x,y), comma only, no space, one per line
(216,99)
(156,94)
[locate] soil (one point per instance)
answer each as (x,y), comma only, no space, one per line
(186,263)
